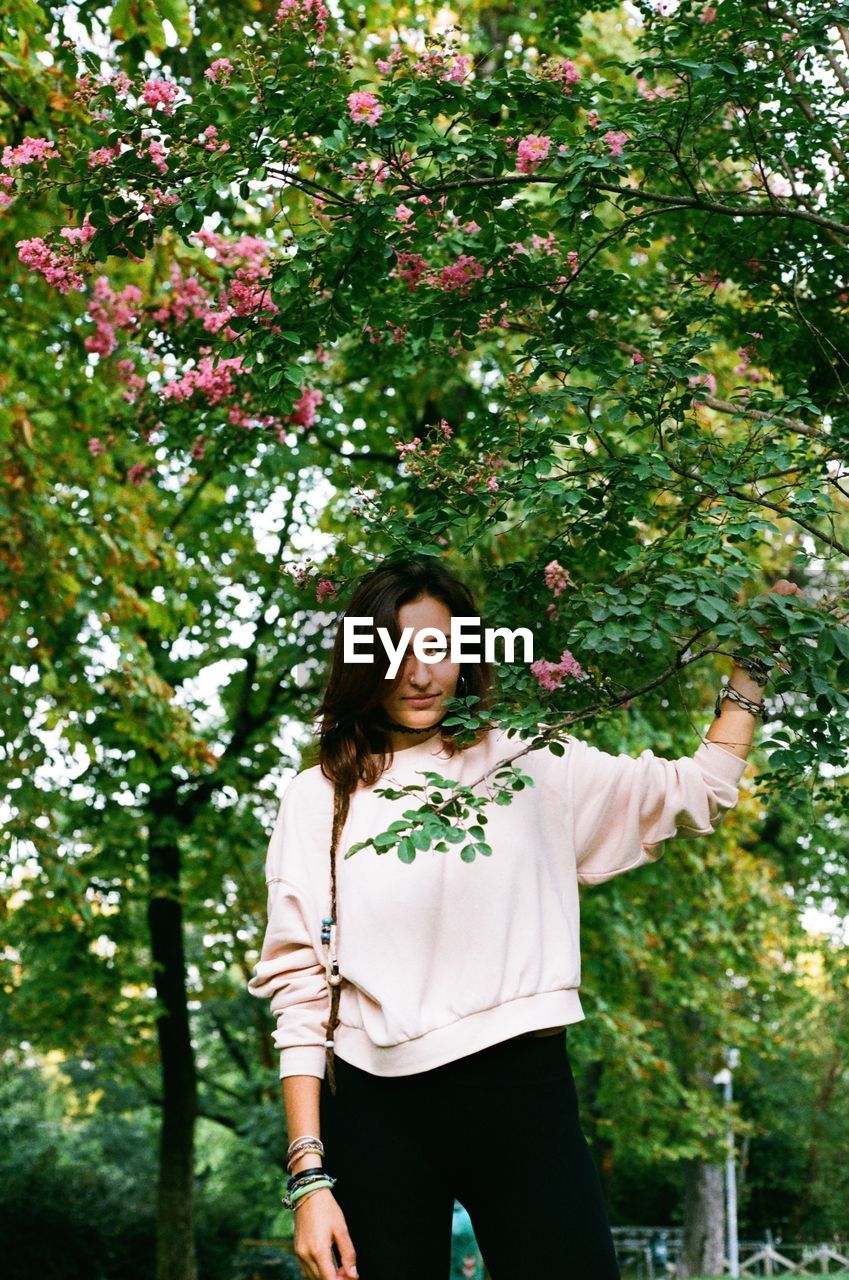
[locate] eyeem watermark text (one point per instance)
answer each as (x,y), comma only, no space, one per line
(430,643)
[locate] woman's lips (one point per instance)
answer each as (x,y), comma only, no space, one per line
(421,702)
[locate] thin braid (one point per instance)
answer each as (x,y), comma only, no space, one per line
(334,979)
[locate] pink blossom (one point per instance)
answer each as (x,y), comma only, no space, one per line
(134,383)
(103,157)
(56,265)
(564,73)
(110,311)
(411,447)
(556,577)
(531,152)
(459,69)
(212,143)
(460,273)
(593,119)
(709,14)
(402,213)
(79,235)
(198,448)
(29,151)
(702,380)
(638,357)
(385,65)
(138,473)
(121,83)
(160,93)
(615,141)
(303,411)
(364,108)
(410,268)
(212,383)
(492,484)
(95,446)
(219,71)
(303,13)
(325,590)
(157,154)
(551,674)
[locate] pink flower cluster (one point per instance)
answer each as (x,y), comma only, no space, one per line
(212,143)
(109,311)
(219,71)
(79,235)
(702,380)
(563,72)
(7,182)
(325,590)
(134,383)
(104,157)
(304,14)
(157,153)
(385,65)
(121,83)
(531,152)
(550,675)
(28,152)
(556,577)
(364,108)
(435,64)
(56,265)
(461,273)
(303,410)
(160,93)
(615,141)
(212,383)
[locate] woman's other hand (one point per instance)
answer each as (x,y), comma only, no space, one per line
(319,1225)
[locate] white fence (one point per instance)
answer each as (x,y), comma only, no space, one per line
(651,1253)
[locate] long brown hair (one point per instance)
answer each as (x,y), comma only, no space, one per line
(354,746)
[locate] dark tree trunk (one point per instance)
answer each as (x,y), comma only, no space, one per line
(703,1252)
(175,1250)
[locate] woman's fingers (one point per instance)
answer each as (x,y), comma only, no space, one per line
(348,1258)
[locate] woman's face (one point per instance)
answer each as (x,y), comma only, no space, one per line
(422,688)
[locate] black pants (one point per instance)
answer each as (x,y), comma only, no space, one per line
(498,1129)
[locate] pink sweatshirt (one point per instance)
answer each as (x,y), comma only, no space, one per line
(442,957)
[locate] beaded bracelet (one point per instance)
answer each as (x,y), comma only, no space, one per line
(756,708)
(309,1148)
(303,1140)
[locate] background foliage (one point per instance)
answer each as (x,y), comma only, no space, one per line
(570,311)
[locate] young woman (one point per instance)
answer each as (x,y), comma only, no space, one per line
(423,1046)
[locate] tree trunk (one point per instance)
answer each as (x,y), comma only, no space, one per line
(702,1252)
(175,1249)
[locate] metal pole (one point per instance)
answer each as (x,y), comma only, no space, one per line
(733,1060)
(732,1247)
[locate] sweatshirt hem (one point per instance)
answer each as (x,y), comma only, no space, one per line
(458,1039)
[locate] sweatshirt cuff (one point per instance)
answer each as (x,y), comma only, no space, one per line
(725,764)
(302,1060)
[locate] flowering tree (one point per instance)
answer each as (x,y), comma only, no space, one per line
(562,300)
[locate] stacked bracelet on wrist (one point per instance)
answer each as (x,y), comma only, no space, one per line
(756,708)
(301,1185)
(302,1146)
